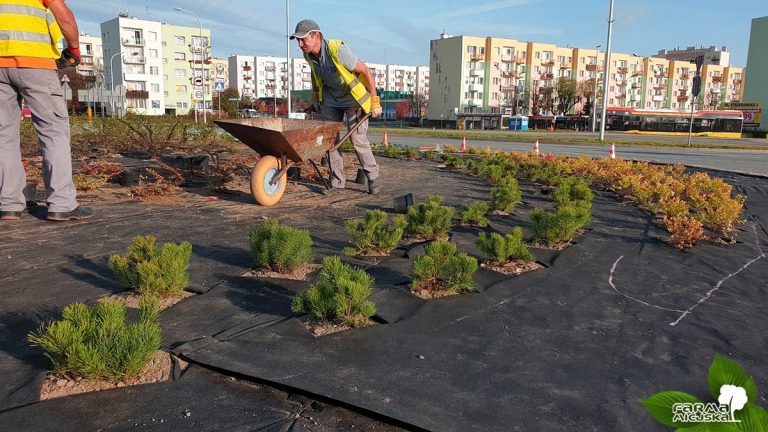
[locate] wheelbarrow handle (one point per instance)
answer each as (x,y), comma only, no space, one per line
(349,132)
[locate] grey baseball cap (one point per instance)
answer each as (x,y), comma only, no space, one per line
(304,27)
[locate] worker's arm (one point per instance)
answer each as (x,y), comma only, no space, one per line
(370,84)
(67,22)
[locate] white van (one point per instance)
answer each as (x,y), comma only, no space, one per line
(248,113)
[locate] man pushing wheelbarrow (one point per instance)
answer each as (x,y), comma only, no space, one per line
(342,89)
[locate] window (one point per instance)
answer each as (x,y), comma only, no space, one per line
(179,40)
(155,87)
(497,50)
(536,55)
(151,36)
(181,89)
(165,93)
(152,53)
(561,59)
(154,70)
(179,56)
(181,72)
(165,60)
(165,77)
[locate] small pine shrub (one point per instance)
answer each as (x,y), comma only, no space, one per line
(501,249)
(391,151)
(442,268)
(452,162)
(572,189)
(159,271)
(475,214)
(560,225)
(450,148)
(374,235)
(546,172)
(474,167)
(339,297)
(97,343)
(431,219)
(279,247)
(494,172)
(411,153)
(506,195)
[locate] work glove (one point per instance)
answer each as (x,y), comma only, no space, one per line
(70,57)
(375,106)
(314,102)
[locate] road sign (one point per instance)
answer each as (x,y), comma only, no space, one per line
(218,86)
(198,94)
(696,86)
(233,99)
(198,81)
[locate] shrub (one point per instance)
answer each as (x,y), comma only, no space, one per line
(506,195)
(280,248)
(450,148)
(148,269)
(474,167)
(339,297)
(442,268)
(374,235)
(97,342)
(502,249)
(683,231)
(572,189)
(431,219)
(549,173)
(494,172)
(452,162)
(475,214)
(560,225)
(162,185)
(391,151)
(411,153)
(154,134)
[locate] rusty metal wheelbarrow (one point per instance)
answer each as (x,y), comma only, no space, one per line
(283,143)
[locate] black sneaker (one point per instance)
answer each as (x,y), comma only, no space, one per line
(10,215)
(374,187)
(76,214)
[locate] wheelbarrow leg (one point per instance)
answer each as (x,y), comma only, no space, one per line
(326,183)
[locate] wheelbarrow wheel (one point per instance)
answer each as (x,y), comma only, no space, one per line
(262,189)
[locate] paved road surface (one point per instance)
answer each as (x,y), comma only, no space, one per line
(743,161)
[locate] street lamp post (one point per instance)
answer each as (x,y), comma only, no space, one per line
(288,73)
(112,78)
(594,94)
(606,75)
(202,59)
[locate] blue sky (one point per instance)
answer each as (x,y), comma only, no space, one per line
(399,31)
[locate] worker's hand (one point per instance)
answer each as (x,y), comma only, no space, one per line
(375,106)
(71,56)
(314,102)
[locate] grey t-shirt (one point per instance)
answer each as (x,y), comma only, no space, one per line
(336,93)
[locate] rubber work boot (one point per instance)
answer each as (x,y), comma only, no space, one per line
(374,186)
(10,215)
(76,214)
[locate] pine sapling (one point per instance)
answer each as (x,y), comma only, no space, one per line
(431,219)
(475,214)
(443,268)
(506,195)
(373,235)
(501,249)
(339,297)
(160,271)
(279,247)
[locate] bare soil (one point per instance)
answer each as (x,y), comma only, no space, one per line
(302,273)
(433,290)
(513,268)
(54,386)
(132,299)
(324,329)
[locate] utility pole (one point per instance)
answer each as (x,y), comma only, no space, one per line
(695,90)
(594,95)
(606,74)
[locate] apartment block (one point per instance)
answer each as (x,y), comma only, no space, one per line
(131,49)
(91,57)
(479,80)
(187,77)
(712,55)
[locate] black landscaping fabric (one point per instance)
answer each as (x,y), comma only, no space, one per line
(618,316)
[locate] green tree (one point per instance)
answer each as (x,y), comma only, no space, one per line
(565,94)
(230,107)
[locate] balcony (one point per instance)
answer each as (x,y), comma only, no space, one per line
(622,70)
(621,96)
(476,72)
(269,86)
(507,59)
(548,63)
(519,60)
(476,57)
(637,73)
(269,68)
(507,88)
(565,65)
(137,94)
(659,86)
(621,83)
(247,68)
(685,76)
(247,77)
(474,87)
(717,79)
(134,60)
(736,81)
(547,76)
(682,98)
(507,74)
(636,85)
(133,42)
(475,102)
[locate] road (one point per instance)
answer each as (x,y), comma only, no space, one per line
(742,161)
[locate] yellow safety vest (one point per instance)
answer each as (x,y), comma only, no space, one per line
(353,80)
(28,29)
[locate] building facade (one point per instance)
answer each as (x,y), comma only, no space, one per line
(489,78)
(91,56)
(712,55)
(133,65)
(187,69)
